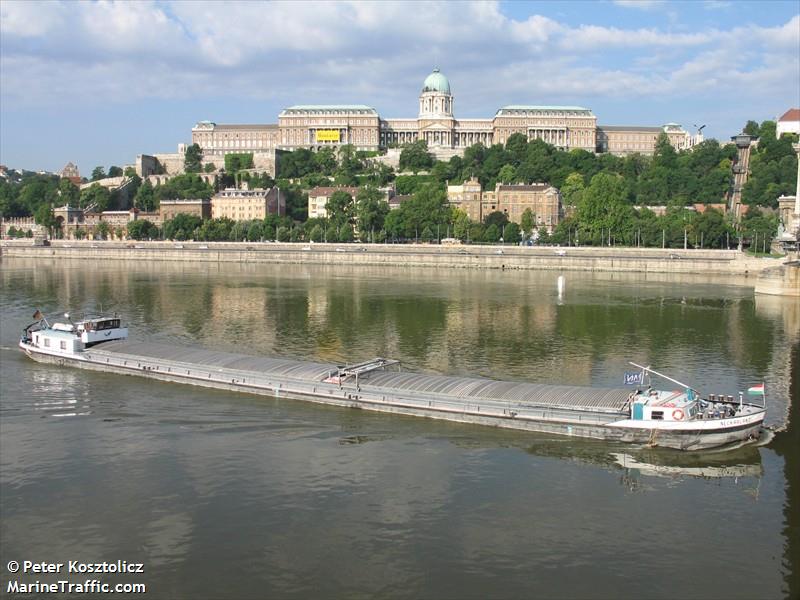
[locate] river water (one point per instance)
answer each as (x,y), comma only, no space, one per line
(221,494)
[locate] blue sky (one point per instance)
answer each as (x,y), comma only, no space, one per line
(97,83)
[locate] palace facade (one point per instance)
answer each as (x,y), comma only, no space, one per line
(320,126)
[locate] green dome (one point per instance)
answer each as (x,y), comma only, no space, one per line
(436,82)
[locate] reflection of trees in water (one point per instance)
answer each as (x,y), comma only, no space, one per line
(787,445)
(732,330)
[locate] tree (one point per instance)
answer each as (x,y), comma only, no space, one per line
(346,233)
(44,217)
(188,186)
(145,198)
(665,155)
(497,217)
(69,192)
(340,208)
(254,231)
(527,221)
(192,158)
(142,229)
(181,227)
(427,234)
(96,197)
(461,225)
(415,157)
(129,172)
(282,234)
(507,174)
(572,190)
(317,234)
(102,230)
(751,128)
(491,233)
(371,210)
(511,233)
(115,171)
(604,208)
(209,167)
(238,162)
(98,173)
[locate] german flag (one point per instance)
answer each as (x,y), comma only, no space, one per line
(38,316)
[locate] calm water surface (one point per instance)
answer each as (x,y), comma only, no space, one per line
(224,495)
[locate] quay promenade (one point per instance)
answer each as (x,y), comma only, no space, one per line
(601,259)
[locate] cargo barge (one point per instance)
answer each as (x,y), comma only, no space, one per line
(679,419)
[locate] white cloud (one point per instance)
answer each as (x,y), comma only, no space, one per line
(369,52)
(640,4)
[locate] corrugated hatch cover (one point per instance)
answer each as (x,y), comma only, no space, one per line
(443,386)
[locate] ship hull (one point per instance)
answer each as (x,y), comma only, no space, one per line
(574,423)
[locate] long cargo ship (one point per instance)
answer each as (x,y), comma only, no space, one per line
(680,419)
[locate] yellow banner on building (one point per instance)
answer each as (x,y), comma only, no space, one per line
(328,135)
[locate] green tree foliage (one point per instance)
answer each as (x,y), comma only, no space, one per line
(760,226)
(44,217)
(145,198)
(129,172)
(773,168)
(237,162)
(751,128)
(69,193)
(340,208)
(512,233)
(282,234)
(102,230)
(317,234)
(182,227)
(507,174)
(427,234)
(427,208)
(98,173)
(409,184)
(572,190)
(527,221)
(371,211)
(209,167)
(496,218)
(142,229)
(415,157)
(346,233)
(491,234)
(96,197)
(604,207)
(188,186)
(115,171)
(254,231)
(192,159)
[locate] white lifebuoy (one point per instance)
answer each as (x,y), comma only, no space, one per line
(677,414)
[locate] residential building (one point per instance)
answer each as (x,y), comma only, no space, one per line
(789,122)
(246,204)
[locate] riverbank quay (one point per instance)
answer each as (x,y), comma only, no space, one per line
(602,259)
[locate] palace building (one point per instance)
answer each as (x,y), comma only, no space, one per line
(320,126)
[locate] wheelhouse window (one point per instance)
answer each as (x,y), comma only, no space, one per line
(108,324)
(657,415)
(63,345)
(46,342)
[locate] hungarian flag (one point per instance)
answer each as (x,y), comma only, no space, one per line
(756,390)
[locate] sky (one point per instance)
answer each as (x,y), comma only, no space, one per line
(97,83)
